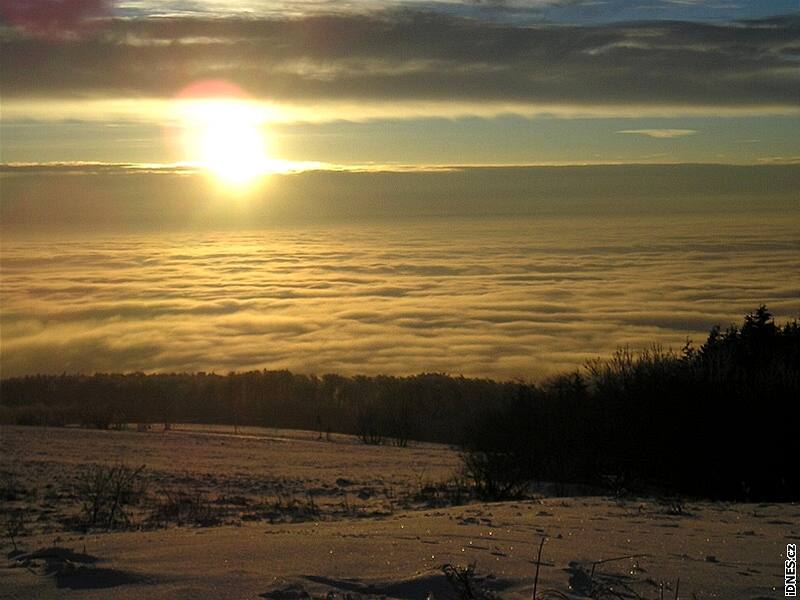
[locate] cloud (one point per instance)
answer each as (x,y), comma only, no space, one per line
(48,198)
(518,296)
(405,58)
(91,168)
(512,11)
(780,160)
(56,20)
(660,133)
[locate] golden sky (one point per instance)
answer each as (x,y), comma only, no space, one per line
(390,83)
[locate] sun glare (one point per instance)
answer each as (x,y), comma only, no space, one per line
(231,143)
(224,133)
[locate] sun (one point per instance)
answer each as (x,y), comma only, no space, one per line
(231,143)
(224,133)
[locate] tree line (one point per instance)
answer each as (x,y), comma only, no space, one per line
(380,409)
(712,421)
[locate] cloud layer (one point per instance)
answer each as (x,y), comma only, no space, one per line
(407,57)
(660,133)
(518,297)
(73,197)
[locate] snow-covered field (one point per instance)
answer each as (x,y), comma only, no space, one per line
(288,516)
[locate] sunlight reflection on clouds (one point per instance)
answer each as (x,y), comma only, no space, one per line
(500,298)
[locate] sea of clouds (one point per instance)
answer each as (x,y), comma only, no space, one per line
(503,297)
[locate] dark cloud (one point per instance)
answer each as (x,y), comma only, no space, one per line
(88,168)
(71,197)
(412,56)
(55,20)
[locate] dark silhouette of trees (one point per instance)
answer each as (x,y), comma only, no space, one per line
(380,409)
(501,445)
(712,421)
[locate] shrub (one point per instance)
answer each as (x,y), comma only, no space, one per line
(14,524)
(183,508)
(498,447)
(107,492)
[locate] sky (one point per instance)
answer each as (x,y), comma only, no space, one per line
(363,83)
(492,188)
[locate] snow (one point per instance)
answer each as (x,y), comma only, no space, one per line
(717,550)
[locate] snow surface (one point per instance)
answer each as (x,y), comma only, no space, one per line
(717,550)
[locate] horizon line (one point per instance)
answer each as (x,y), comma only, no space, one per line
(286,167)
